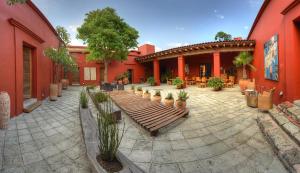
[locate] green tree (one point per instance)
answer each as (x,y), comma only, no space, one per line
(244,59)
(222,36)
(13,2)
(108,36)
(63,34)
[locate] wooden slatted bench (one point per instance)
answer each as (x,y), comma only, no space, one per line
(150,115)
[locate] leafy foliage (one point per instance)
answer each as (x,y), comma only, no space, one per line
(215,82)
(139,89)
(90,87)
(151,81)
(169,96)
(147,92)
(222,36)
(157,93)
(165,76)
(100,97)
(13,2)
(242,60)
(63,34)
(108,132)
(84,99)
(132,87)
(108,36)
(177,82)
(183,96)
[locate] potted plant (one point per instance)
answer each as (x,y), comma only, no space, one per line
(156,97)
(139,91)
(147,95)
(178,83)
(119,79)
(132,88)
(244,59)
(181,101)
(84,99)
(151,81)
(169,100)
(69,65)
(216,83)
(125,78)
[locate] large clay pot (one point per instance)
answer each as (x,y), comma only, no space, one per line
(59,93)
(156,98)
(65,83)
(53,92)
(180,104)
(4,109)
(243,84)
(146,96)
(169,102)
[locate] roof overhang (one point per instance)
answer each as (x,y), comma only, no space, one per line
(201,48)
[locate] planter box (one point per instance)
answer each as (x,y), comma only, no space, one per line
(116,112)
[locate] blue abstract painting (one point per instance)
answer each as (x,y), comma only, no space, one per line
(271,58)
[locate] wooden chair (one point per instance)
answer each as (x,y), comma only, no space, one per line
(265,100)
(203,83)
(224,78)
(198,80)
(230,82)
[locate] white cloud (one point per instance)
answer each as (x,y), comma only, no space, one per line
(176,44)
(220,16)
(179,28)
(246,27)
(215,11)
(157,49)
(72,29)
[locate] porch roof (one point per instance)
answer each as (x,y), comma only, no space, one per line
(201,48)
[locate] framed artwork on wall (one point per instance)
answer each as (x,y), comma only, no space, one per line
(271,58)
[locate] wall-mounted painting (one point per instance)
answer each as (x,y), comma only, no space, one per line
(271,58)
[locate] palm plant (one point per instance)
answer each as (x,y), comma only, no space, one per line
(244,59)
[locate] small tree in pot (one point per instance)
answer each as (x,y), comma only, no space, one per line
(244,59)
(147,95)
(169,100)
(181,101)
(157,96)
(151,81)
(139,91)
(216,83)
(178,83)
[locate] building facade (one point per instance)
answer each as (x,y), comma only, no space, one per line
(25,73)
(278,22)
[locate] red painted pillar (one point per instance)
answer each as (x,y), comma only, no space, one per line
(156,71)
(217,64)
(181,67)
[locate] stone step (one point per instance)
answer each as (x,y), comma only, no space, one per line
(286,148)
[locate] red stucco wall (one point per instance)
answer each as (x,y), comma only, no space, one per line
(272,22)
(11,53)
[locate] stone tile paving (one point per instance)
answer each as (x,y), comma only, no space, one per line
(220,136)
(49,139)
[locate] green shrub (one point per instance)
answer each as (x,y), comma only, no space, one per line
(90,87)
(100,97)
(139,89)
(169,96)
(84,99)
(216,83)
(132,87)
(151,81)
(147,91)
(109,136)
(177,82)
(183,96)
(165,76)
(157,93)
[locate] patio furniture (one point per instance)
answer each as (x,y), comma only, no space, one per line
(198,80)
(150,115)
(265,100)
(203,82)
(224,78)
(230,82)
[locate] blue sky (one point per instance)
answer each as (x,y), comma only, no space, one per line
(164,23)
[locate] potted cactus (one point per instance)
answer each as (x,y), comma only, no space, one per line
(178,83)
(156,97)
(181,101)
(216,83)
(151,81)
(147,95)
(169,100)
(139,91)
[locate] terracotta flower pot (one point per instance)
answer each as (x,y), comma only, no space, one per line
(169,102)
(156,98)
(139,93)
(53,92)
(217,89)
(59,93)
(146,96)
(180,104)
(243,84)
(4,109)
(65,83)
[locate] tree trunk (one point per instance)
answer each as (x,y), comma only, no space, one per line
(244,72)
(105,71)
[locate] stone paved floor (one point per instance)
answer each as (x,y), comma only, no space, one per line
(47,140)
(220,136)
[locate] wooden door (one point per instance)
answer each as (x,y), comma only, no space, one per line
(76,77)
(27,72)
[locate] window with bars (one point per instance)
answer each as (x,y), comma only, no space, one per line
(90,73)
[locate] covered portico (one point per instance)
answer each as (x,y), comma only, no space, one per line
(204,59)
